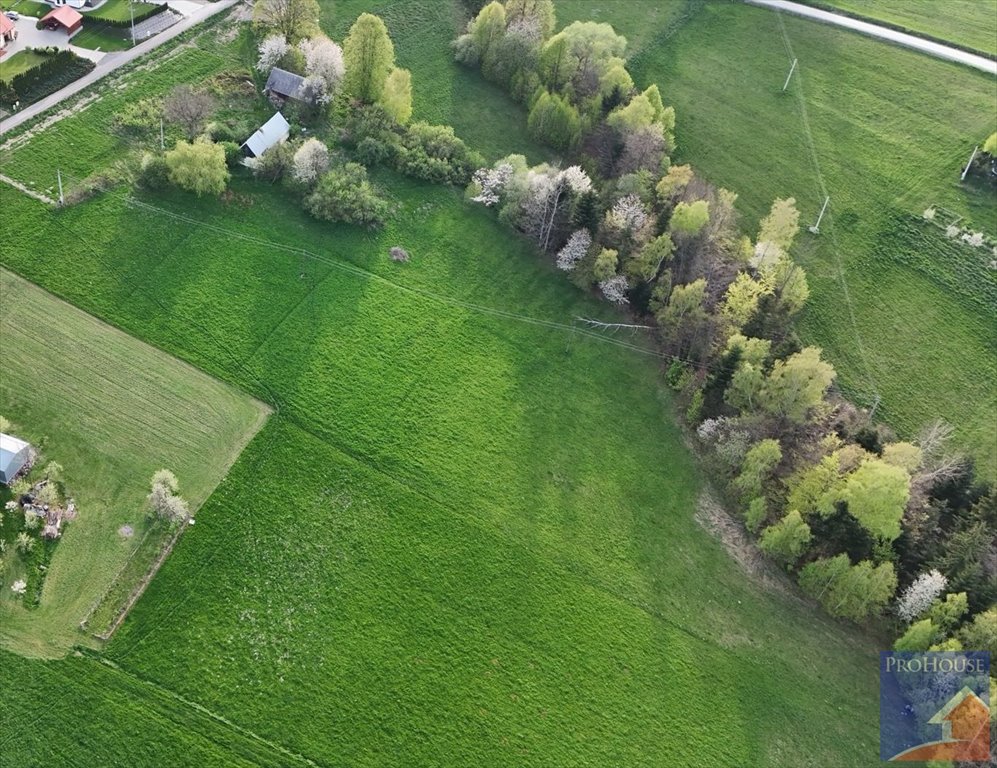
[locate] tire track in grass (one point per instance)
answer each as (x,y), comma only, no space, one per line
(824,194)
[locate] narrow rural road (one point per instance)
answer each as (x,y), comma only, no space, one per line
(113,61)
(874,30)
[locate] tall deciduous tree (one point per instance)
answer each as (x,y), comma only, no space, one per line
(690,218)
(553,120)
(797,385)
(369,56)
(877,493)
(850,591)
(781,225)
(787,539)
(294,19)
(188,109)
(539,11)
(397,96)
(198,167)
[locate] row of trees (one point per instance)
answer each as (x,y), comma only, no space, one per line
(835,499)
(575,84)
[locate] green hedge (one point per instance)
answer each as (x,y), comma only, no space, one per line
(60,69)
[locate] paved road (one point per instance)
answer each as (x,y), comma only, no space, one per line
(874,30)
(112,61)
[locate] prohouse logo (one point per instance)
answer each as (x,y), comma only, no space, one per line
(934,706)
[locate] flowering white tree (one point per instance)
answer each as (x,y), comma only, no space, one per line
(19,587)
(615,289)
(919,596)
(310,161)
(324,68)
(952,231)
(272,49)
(628,216)
(164,499)
(491,182)
(576,179)
(574,250)
(547,187)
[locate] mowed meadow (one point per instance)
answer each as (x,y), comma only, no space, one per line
(467,535)
(901,312)
(111,410)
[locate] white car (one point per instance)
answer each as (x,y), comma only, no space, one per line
(12,15)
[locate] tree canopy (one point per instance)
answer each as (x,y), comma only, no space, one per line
(369,56)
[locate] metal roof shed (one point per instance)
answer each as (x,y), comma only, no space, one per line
(284,84)
(273,131)
(14,454)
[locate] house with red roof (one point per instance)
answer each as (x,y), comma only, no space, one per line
(8,32)
(63,17)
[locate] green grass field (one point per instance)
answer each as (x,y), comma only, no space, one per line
(28,8)
(464,538)
(20,62)
(103,37)
(464,535)
(971,23)
(112,411)
(880,125)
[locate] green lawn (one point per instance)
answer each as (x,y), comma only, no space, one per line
(888,144)
(972,23)
(28,8)
(95,35)
(112,411)
(20,62)
(119,10)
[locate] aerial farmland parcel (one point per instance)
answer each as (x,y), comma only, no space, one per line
(470,530)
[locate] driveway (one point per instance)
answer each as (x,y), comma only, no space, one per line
(29,37)
(938,50)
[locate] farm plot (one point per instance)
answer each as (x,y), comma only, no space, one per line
(467,534)
(885,132)
(112,411)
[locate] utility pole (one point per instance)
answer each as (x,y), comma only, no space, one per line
(58,175)
(131,9)
(791,70)
(972,157)
(815,229)
(162,142)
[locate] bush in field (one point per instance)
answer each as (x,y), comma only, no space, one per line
(199,167)
(345,194)
(434,153)
(310,161)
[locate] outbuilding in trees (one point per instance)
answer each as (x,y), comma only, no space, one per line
(14,454)
(283,85)
(273,131)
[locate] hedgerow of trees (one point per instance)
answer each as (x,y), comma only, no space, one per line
(836,499)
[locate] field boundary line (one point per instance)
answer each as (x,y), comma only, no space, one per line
(200,708)
(822,187)
(29,192)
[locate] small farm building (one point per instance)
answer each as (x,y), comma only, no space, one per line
(273,131)
(63,17)
(284,85)
(14,454)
